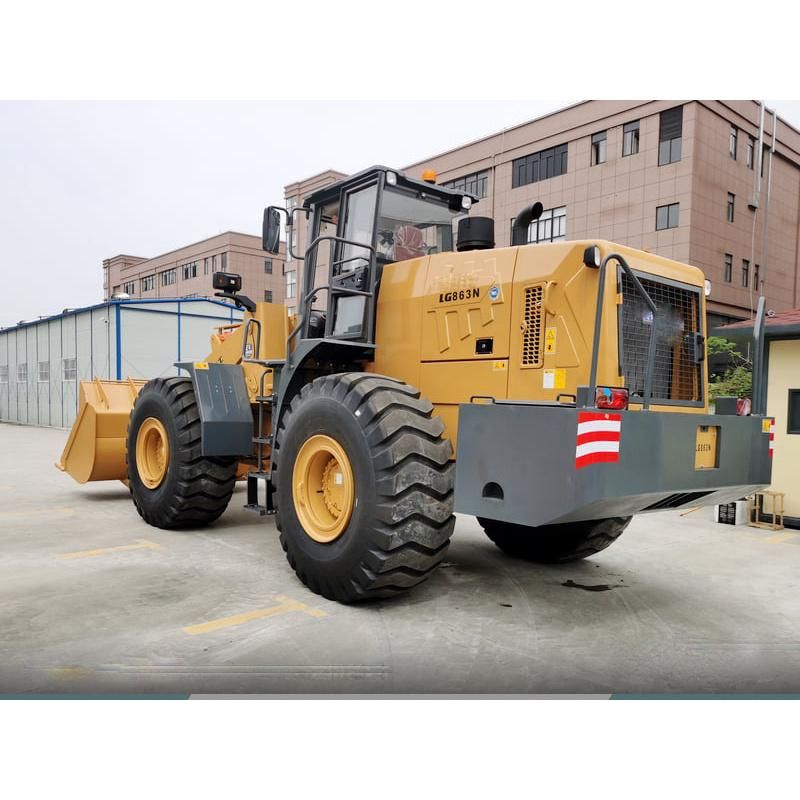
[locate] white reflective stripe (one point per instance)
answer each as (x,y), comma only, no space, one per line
(599,425)
(596,447)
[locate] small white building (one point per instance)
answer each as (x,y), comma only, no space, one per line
(42,362)
(780,394)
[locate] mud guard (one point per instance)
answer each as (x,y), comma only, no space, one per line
(223,403)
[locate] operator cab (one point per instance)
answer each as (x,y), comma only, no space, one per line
(356,227)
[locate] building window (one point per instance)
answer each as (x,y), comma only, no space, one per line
(756,277)
(731,206)
(667,216)
(728,267)
(745,273)
(475,184)
(168,277)
(22,373)
(267,295)
(732,138)
(44,372)
(291,284)
(751,150)
(129,288)
(539,166)
(550,227)
(223,261)
(205,266)
(69,368)
(290,310)
(669,136)
(149,283)
(630,138)
(190,271)
(793,425)
(599,148)
(3,373)
(213,263)
(268,266)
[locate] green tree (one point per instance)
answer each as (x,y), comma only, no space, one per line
(737,381)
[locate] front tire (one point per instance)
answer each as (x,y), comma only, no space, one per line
(363,487)
(171,483)
(555,544)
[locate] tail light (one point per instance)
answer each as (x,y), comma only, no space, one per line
(611,397)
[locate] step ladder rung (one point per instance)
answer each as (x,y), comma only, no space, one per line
(253,503)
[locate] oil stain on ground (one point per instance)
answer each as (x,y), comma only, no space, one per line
(595,587)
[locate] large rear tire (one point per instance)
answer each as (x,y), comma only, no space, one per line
(363,487)
(172,484)
(555,544)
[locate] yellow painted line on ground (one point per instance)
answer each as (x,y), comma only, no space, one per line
(38,512)
(72,672)
(780,537)
(141,544)
(286,605)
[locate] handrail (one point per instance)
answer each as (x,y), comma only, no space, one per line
(308,297)
(758,357)
(257,343)
(651,349)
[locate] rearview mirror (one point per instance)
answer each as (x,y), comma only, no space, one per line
(271,230)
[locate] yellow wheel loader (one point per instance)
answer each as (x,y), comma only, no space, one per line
(552,391)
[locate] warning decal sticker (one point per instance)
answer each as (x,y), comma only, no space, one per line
(550,341)
(598,438)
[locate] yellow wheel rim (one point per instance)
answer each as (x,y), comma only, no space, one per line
(152,452)
(323,488)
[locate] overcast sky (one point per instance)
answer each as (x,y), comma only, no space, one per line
(80,182)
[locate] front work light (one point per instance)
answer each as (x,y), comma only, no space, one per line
(391,178)
(707,288)
(611,397)
(591,256)
(466,203)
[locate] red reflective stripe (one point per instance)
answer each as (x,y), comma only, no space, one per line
(589,416)
(594,458)
(598,436)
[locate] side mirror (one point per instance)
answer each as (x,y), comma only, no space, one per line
(271,230)
(519,233)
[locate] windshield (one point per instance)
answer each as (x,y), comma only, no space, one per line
(411,226)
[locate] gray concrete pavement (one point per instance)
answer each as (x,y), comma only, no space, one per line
(92,600)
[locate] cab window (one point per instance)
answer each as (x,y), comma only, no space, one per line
(411,226)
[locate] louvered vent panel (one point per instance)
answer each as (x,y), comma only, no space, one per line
(532,336)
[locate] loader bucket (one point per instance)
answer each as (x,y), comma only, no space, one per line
(95,450)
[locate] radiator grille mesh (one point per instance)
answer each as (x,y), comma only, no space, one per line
(675,375)
(532,336)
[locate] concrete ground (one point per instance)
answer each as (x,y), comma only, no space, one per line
(92,600)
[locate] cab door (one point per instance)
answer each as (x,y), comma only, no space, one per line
(352,265)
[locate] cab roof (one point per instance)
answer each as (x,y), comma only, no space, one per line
(332,191)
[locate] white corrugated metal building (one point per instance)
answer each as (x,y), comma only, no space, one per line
(42,362)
